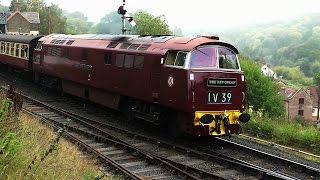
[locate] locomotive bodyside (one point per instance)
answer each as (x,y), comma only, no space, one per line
(194,84)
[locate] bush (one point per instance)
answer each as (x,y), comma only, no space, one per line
(293,133)
(262,92)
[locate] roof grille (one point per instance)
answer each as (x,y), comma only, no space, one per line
(125,46)
(53,41)
(70,42)
(144,47)
(134,46)
(62,41)
(112,44)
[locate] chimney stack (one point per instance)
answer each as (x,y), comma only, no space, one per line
(17,6)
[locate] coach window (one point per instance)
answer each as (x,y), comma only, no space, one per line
(12,49)
(128,61)
(24,51)
(7,48)
(3,45)
(120,60)
(17,50)
(84,55)
(107,57)
(138,63)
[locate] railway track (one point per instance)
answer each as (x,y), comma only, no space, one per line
(213,164)
(135,161)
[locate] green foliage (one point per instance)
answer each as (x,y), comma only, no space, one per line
(4,8)
(295,133)
(4,111)
(316,79)
(77,23)
(58,21)
(294,74)
(284,43)
(111,24)
(262,92)
(147,24)
(177,31)
(9,146)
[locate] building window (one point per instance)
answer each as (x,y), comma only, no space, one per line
(301,100)
(107,57)
(313,111)
(300,112)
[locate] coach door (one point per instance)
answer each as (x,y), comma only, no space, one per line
(37,60)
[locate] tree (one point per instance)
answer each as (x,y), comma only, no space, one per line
(77,23)
(58,21)
(111,24)
(316,79)
(262,92)
(177,31)
(147,24)
(22,3)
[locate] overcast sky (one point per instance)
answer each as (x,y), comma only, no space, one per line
(196,14)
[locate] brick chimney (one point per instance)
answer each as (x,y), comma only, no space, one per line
(17,6)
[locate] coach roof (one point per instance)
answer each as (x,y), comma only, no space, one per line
(18,38)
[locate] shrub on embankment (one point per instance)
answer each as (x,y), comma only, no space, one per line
(294,133)
(30,150)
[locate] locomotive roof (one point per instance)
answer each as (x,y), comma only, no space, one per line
(158,41)
(19,38)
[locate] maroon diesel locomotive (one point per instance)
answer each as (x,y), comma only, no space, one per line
(192,84)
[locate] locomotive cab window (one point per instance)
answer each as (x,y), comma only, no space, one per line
(176,58)
(227,59)
(214,57)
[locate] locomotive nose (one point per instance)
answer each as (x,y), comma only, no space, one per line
(244,117)
(206,119)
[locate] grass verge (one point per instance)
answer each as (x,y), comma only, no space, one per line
(32,139)
(294,133)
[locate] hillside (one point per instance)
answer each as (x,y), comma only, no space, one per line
(291,43)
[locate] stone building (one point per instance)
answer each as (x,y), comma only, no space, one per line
(301,102)
(314,91)
(23,22)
